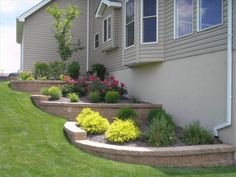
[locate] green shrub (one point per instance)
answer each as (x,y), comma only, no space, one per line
(61,77)
(112,97)
(73,97)
(158,114)
(160,133)
(56,69)
(45,91)
(55,93)
(92,122)
(31,78)
(24,75)
(41,70)
(42,78)
(94,96)
(73,70)
(69,88)
(195,134)
(126,113)
(99,70)
(122,131)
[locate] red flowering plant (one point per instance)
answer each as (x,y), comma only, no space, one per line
(115,85)
(110,84)
(97,85)
(74,86)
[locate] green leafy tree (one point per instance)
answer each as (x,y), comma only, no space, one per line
(62,25)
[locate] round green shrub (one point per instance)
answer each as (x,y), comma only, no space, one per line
(24,75)
(94,96)
(99,70)
(194,134)
(69,88)
(31,78)
(55,93)
(92,122)
(45,91)
(112,97)
(73,70)
(122,131)
(41,70)
(158,114)
(160,133)
(73,97)
(126,113)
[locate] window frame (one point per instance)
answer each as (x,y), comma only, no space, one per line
(125,25)
(96,40)
(157,25)
(175,21)
(106,19)
(214,26)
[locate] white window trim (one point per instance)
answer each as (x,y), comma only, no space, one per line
(127,47)
(157,27)
(175,21)
(110,16)
(214,26)
(95,40)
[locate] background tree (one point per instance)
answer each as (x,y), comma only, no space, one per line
(62,25)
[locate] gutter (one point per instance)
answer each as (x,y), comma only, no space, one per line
(87,62)
(229,71)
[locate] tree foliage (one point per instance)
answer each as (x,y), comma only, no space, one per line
(62,26)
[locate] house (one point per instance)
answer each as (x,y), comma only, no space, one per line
(180,53)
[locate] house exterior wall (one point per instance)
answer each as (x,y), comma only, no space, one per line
(112,59)
(195,89)
(38,39)
(229,134)
(200,42)
(152,52)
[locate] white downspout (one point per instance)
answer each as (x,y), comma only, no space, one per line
(87,63)
(229,70)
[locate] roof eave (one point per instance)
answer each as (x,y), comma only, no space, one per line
(21,19)
(103,4)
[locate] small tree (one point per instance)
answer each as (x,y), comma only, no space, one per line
(62,25)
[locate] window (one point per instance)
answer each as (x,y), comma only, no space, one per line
(129,24)
(183,17)
(149,21)
(107,29)
(96,40)
(210,13)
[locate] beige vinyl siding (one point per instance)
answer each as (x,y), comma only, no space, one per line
(153,52)
(131,54)
(39,42)
(112,43)
(112,59)
(200,42)
(234,23)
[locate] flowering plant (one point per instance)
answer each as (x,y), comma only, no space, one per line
(110,84)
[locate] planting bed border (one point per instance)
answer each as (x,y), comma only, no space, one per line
(184,156)
(71,110)
(34,86)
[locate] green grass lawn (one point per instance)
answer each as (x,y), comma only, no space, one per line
(32,144)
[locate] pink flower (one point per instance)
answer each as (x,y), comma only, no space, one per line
(105,81)
(91,78)
(112,78)
(122,84)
